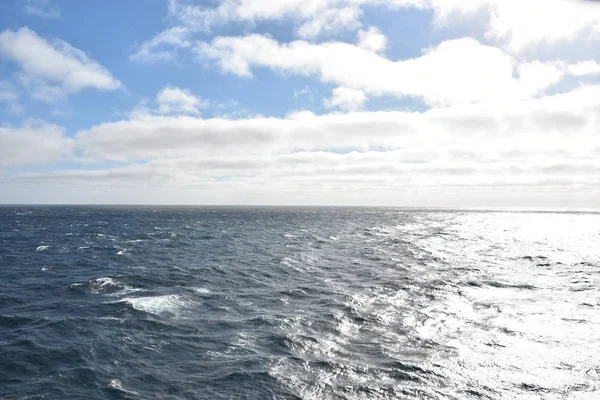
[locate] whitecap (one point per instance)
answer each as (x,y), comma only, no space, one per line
(345,327)
(117,385)
(121,252)
(42,248)
(105,285)
(201,290)
(158,305)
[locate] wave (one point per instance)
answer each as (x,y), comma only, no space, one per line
(117,385)
(170,304)
(104,285)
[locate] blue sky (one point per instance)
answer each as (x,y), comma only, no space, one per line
(133,23)
(358,102)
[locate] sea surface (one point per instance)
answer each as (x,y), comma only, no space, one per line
(298,303)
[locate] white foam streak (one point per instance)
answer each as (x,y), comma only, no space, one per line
(158,305)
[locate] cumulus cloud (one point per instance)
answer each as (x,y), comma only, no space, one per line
(517,26)
(171,100)
(583,68)
(34,143)
(520,25)
(312,18)
(454,72)
(53,66)
(174,100)
(524,24)
(372,39)
(347,99)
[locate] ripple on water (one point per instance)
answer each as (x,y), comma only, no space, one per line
(298,304)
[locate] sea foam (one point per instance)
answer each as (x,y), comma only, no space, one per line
(159,305)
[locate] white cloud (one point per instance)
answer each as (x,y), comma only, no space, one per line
(34,143)
(372,39)
(170,100)
(524,24)
(521,25)
(41,8)
(174,100)
(311,18)
(589,67)
(560,123)
(347,99)
(537,76)
(533,149)
(516,25)
(163,46)
(455,72)
(330,20)
(52,66)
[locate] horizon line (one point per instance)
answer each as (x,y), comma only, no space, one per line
(408,207)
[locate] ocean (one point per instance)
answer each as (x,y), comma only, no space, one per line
(298,303)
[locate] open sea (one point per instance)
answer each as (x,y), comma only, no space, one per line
(298,303)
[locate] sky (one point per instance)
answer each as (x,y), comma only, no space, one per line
(424,103)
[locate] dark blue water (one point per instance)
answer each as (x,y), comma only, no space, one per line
(266,303)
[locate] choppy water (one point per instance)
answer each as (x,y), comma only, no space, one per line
(195,303)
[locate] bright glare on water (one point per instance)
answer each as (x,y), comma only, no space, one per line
(313,303)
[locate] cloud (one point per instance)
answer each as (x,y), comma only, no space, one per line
(542,148)
(321,178)
(174,100)
(565,122)
(311,18)
(521,25)
(583,68)
(372,39)
(162,47)
(34,143)
(454,72)
(524,24)
(516,26)
(347,99)
(41,8)
(53,66)
(171,100)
